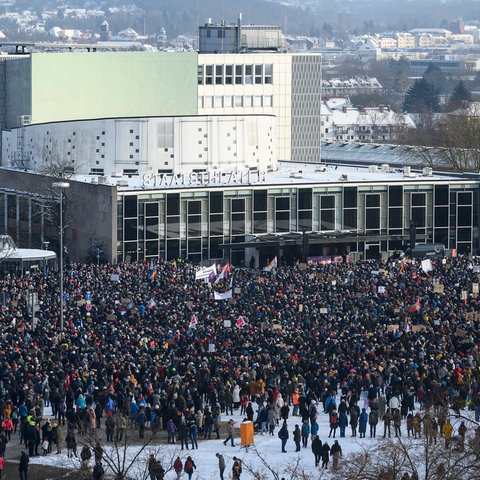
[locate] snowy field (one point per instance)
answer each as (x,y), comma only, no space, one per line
(266,449)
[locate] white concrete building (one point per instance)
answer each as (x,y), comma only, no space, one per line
(139,146)
(343,123)
(287,86)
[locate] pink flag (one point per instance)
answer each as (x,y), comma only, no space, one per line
(240,322)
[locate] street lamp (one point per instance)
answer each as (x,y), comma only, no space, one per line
(61,186)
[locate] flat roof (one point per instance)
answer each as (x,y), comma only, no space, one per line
(287,174)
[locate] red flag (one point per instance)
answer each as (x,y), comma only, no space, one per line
(416,307)
(240,322)
(193,322)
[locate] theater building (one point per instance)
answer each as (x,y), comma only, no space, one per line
(203,156)
(294,212)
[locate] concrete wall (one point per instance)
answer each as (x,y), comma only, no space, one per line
(100,201)
(18,90)
(145,145)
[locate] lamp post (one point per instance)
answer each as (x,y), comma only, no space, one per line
(61,186)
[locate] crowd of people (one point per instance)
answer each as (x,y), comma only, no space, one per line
(149,346)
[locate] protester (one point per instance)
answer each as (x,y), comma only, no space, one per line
(335,453)
(23,466)
(189,466)
(230,432)
(381,331)
(283,436)
(236,469)
(221,464)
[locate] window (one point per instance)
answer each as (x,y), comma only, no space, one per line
(200,74)
(248,74)
(248,101)
(218,74)
(228,74)
(258,74)
(209,75)
(268,73)
(238,74)
(208,102)
(267,101)
(238,101)
(257,101)
(228,101)
(218,102)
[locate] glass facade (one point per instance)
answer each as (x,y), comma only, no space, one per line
(196,223)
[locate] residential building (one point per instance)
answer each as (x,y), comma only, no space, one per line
(342,122)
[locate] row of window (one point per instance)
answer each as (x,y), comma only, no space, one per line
(235,74)
(233,101)
(329,219)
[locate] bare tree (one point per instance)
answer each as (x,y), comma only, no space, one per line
(128,458)
(261,469)
(426,459)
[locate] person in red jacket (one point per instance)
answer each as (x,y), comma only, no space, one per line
(178,466)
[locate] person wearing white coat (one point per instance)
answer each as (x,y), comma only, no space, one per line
(394,404)
(236,397)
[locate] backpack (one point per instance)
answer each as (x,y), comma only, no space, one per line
(98,471)
(62,407)
(334,419)
(188,465)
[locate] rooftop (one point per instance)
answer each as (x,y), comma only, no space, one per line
(288,174)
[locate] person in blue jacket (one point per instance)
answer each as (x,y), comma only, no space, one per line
(362,423)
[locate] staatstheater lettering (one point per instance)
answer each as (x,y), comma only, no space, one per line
(196,179)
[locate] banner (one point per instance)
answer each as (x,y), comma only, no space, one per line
(205,272)
(222,296)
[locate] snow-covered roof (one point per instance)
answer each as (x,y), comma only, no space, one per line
(9,251)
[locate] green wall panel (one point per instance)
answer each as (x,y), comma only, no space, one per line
(72,86)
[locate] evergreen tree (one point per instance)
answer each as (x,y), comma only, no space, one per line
(421,97)
(460,95)
(434,75)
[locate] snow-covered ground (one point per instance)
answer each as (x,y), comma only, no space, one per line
(266,447)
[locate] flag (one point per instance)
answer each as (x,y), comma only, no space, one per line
(151,303)
(427,265)
(193,322)
(240,322)
(153,276)
(416,306)
(222,296)
(272,264)
(402,268)
(223,274)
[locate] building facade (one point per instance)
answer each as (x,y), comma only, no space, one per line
(137,146)
(287,86)
(298,211)
(59,87)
